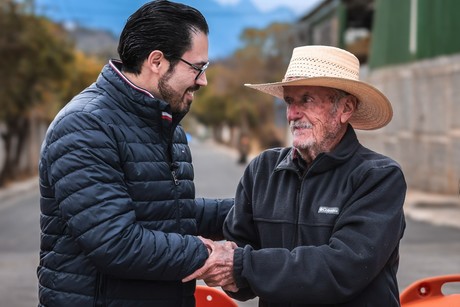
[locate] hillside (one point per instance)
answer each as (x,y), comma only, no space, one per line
(101,43)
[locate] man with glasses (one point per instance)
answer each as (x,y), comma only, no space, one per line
(120,224)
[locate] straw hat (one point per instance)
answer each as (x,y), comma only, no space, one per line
(336,68)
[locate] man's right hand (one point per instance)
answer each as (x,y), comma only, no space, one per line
(218,269)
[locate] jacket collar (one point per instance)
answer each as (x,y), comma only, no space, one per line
(324,161)
(135,98)
(116,67)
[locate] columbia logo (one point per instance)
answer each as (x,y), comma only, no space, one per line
(328,210)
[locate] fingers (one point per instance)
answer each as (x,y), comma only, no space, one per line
(208,243)
(218,268)
(198,273)
(231,244)
(220,271)
(218,276)
(230,287)
(195,275)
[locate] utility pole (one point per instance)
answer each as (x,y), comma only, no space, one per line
(413,27)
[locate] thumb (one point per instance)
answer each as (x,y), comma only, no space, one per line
(196,274)
(190,277)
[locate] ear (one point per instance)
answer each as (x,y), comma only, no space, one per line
(155,61)
(350,103)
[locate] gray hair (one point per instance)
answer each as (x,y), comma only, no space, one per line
(337,94)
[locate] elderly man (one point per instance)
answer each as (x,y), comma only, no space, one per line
(319,223)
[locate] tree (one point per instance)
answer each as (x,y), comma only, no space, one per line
(34,59)
(262,58)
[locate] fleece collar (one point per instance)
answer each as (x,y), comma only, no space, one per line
(327,160)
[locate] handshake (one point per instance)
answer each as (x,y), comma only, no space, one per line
(218,269)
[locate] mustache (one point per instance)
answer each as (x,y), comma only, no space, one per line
(300,124)
(194,88)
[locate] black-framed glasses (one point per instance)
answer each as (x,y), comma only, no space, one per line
(199,69)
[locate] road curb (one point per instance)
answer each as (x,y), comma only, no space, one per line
(15,188)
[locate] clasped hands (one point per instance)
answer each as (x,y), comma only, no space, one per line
(218,268)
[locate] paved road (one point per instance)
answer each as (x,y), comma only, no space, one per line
(426,249)
(19,245)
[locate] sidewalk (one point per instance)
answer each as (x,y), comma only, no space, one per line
(443,210)
(432,208)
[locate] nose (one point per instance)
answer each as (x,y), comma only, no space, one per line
(202,80)
(293,112)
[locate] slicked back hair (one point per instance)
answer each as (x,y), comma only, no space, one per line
(159,25)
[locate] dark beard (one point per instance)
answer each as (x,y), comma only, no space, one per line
(167,93)
(172,97)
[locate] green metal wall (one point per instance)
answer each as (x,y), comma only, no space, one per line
(437,31)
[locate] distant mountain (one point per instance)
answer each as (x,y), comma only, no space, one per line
(101,43)
(226,22)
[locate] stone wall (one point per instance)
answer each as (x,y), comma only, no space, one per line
(424,135)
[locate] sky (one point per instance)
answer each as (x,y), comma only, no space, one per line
(297,6)
(225,33)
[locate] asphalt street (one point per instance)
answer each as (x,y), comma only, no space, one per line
(430,246)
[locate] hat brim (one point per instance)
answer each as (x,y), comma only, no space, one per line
(374,110)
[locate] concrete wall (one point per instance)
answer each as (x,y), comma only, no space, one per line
(424,135)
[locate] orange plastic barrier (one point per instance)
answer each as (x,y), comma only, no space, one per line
(428,293)
(212,297)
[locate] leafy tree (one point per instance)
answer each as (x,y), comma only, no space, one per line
(84,70)
(34,59)
(227,102)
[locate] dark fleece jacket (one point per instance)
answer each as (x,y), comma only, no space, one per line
(323,236)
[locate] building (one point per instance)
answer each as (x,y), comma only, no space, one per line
(409,50)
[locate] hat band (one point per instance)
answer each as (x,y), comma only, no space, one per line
(307,67)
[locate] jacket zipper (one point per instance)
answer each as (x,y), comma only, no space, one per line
(297,209)
(173,167)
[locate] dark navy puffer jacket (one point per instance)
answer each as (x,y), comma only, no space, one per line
(118,208)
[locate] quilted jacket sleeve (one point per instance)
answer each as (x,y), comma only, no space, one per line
(84,168)
(210,217)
